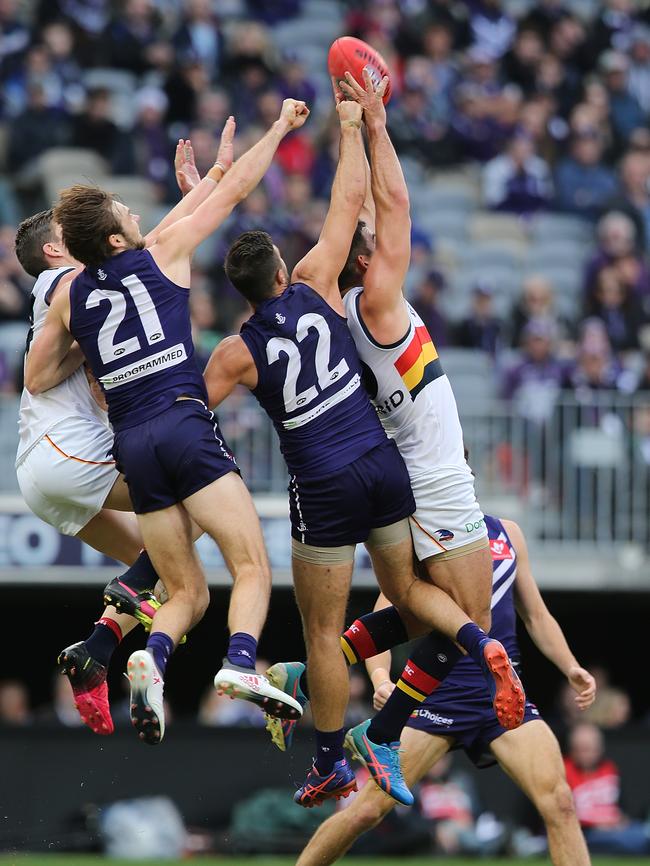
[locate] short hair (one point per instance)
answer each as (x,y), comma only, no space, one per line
(350,275)
(31,235)
(251,265)
(87,219)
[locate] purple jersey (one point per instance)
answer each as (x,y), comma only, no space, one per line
(133,325)
(309,382)
(466,676)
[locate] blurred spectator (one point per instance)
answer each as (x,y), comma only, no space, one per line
(614,26)
(616,247)
(533,384)
(199,37)
(490,27)
(63,708)
(537,303)
(619,309)
(135,40)
(583,184)
(14,35)
(625,111)
(36,129)
(612,708)
(95,129)
(448,800)
(14,703)
(520,64)
(184,86)
(596,785)
(518,180)
(414,131)
(481,329)
(639,73)
(634,197)
(425,300)
(150,142)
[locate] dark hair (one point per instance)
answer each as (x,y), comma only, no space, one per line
(251,265)
(351,275)
(31,235)
(87,219)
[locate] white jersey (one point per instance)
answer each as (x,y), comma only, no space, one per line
(72,398)
(412,395)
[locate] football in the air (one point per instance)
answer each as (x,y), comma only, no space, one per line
(349,54)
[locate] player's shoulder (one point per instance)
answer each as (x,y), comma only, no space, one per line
(233,353)
(515,534)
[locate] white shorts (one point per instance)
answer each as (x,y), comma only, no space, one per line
(66,477)
(447,514)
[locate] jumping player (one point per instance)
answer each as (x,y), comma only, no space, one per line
(129,311)
(416,406)
(459,715)
(348,484)
(64,466)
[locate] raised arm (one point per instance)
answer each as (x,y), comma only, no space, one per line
(542,627)
(53,355)
(199,192)
(382,284)
(230,364)
(321,267)
(181,239)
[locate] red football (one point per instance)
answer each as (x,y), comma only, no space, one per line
(349,54)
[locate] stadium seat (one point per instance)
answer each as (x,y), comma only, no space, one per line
(565,252)
(562,227)
(61,162)
(486,226)
(440,224)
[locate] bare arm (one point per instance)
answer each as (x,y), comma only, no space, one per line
(321,267)
(382,300)
(543,628)
(53,355)
(180,239)
(193,197)
(378,667)
(230,364)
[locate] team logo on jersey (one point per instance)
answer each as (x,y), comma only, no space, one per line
(443,535)
(280,319)
(500,549)
(418,364)
(101,275)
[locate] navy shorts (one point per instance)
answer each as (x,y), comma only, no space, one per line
(172,456)
(469,718)
(343,507)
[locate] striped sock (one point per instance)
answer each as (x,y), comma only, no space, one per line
(373,634)
(430,662)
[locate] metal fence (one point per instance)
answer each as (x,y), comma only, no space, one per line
(581,475)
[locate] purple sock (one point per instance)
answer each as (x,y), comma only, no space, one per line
(470,637)
(242,650)
(161,646)
(142,575)
(104,640)
(329,750)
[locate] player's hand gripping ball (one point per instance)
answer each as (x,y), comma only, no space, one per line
(352,55)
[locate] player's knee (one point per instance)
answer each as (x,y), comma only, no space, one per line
(201,601)
(556,804)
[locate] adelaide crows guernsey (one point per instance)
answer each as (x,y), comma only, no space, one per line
(309,382)
(39,413)
(410,391)
(133,325)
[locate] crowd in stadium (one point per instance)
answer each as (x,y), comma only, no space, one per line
(543,109)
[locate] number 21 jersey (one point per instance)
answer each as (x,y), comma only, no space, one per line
(133,326)
(309,382)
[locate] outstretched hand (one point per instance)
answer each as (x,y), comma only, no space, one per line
(584,684)
(369,97)
(225,154)
(187,175)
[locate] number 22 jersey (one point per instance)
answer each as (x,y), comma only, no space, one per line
(309,382)
(133,326)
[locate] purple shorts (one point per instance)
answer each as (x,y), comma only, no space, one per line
(468,717)
(170,457)
(343,507)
